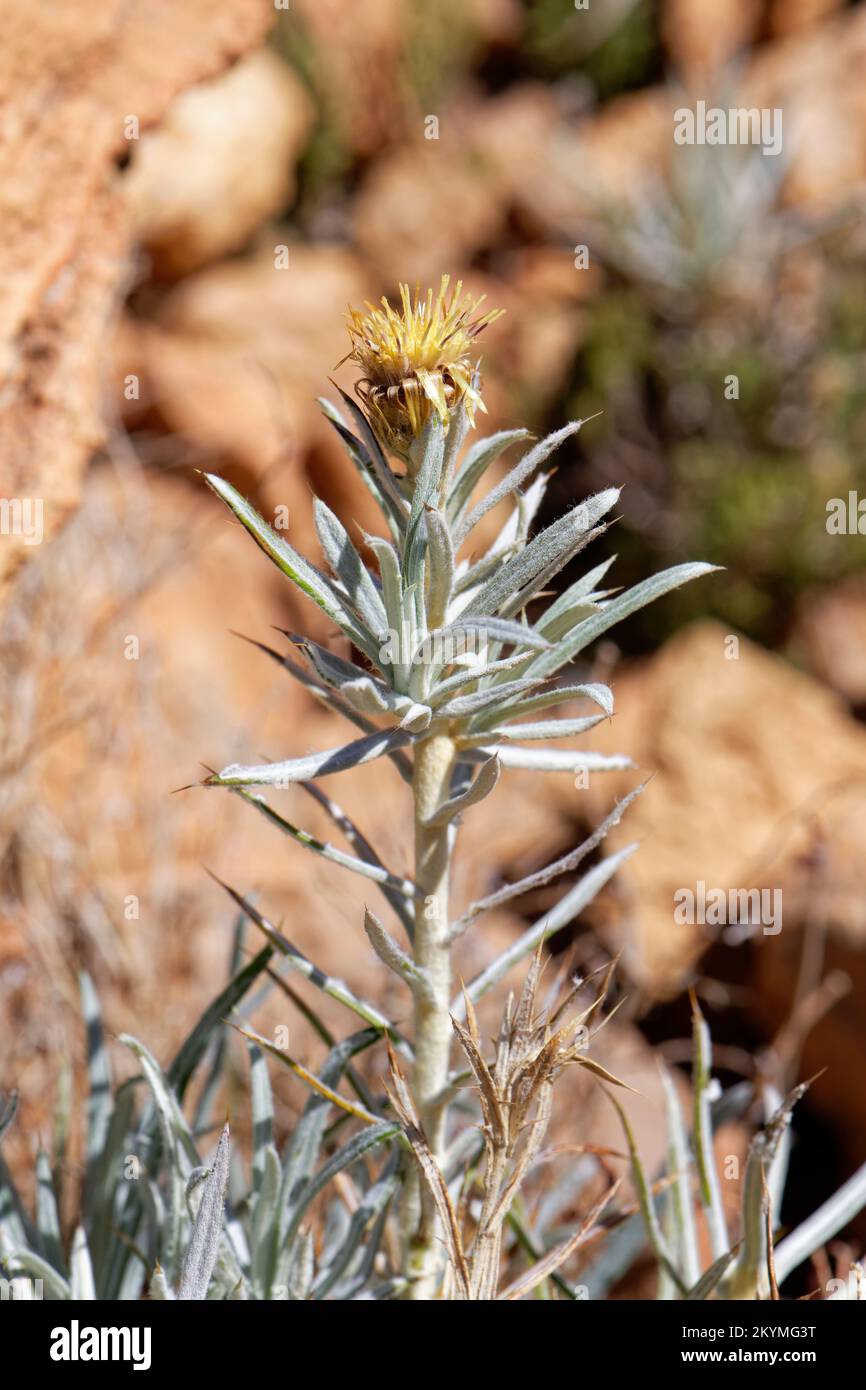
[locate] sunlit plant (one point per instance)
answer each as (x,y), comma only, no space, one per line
(455,664)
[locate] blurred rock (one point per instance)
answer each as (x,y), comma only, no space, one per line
(539,340)
(809,992)
(616,157)
(816,77)
(276,333)
(608,158)
(76,84)
(378,78)
(495,21)
(221,162)
(509,134)
(743,754)
(424,209)
(701,36)
(789,16)
(356,67)
(484,162)
(52,419)
(830,637)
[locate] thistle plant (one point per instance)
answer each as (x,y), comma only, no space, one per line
(449,658)
(453,662)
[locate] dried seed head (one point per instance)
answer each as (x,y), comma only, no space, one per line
(417,361)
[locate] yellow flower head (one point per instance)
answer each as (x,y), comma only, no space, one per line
(417,361)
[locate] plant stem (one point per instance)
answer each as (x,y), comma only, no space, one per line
(433,761)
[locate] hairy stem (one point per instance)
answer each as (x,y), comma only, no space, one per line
(433,762)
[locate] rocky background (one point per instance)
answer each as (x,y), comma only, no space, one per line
(191,194)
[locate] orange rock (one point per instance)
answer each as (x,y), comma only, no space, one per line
(701,36)
(743,755)
(221,162)
(76,86)
(830,637)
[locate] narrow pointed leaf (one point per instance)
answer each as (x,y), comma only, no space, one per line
(822,1225)
(647,1204)
(372,453)
(518,475)
(325,764)
(204,1245)
(349,568)
(493,629)
(566,864)
(195,1045)
(359,1112)
(302,574)
(565,911)
(376,873)
(622,607)
(554,695)
(463,706)
(485,782)
(545,555)
(432,446)
(712,1277)
(547,728)
(478,459)
(575,594)
(555,759)
(328,984)
(440,561)
(710,1191)
(392,954)
(395,896)
(679,1168)
(364,692)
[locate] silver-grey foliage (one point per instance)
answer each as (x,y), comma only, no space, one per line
(453,675)
(446,674)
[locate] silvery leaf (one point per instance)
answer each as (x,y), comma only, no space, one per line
(478,459)
(556,759)
(513,480)
(622,607)
(491,628)
(349,568)
(548,728)
(302,574)
(565,911)
(324,764)
(440,564)
(432,449)
(464,705)
(485,782)
(576,593)
(601,695)
(546,554)
(204,1244)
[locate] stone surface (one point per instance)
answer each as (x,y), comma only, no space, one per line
(747,756)
(220,163)
(71,79)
